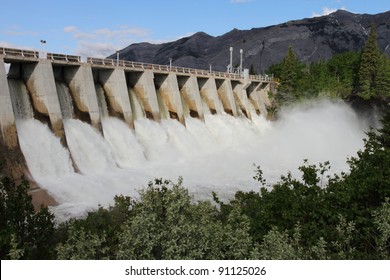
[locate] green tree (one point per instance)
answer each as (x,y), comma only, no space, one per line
(343,73)
(168,225)
(383,78)
(291,73)
(369,64)
(382,221)
(82,245)
(24,233)
(252,70)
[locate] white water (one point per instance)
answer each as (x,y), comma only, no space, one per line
(217,155)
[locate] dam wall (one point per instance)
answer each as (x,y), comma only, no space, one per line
(60,87)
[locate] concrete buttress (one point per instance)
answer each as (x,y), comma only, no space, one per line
(240,95)
(146,93)
(208,92)
(225,93)
(82,87)
(40,82)
(114,84)
(7,118)
(189,89)
(169,91)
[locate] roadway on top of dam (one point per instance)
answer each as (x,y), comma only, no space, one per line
(19,55)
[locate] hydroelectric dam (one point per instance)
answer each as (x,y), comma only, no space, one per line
(44,96)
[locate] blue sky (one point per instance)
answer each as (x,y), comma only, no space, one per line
(97,28)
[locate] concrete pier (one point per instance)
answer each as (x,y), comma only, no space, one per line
(13,164)
(40,82)
(208,92)
(143,86)
(241,98)
(168,88)
(8,136)
(82,87)
(115,87)
(225,93)
(189,90)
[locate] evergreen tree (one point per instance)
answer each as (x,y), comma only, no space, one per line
(383,79)
(252,70)
(369,64)
(289,75)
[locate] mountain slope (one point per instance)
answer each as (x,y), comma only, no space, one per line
(312,39)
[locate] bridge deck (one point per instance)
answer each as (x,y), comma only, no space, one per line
(15,55)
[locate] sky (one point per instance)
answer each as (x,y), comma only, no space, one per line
(98,28)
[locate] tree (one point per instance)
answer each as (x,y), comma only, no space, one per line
(383,78)
(168,225)
(369,64)
(24,233)
(293,79)
(252,70)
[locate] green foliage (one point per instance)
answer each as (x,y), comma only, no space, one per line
(382,222)
(81,245)
(168,225)
(369,64)
(365,74)
(24,233)
(252,70)
(291,72)
(383,78)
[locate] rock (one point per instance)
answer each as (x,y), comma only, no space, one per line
(311,38)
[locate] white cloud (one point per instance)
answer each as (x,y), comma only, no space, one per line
(105,41)
(326,11)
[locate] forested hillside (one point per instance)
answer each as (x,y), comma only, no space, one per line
(361,74)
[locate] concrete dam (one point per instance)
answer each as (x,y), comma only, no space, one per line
(57,89)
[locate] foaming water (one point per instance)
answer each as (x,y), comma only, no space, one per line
(89,150)
(215,155)
(43,151)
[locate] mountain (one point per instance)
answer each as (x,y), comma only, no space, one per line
(311,38)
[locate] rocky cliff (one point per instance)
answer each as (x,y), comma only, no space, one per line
(311,38)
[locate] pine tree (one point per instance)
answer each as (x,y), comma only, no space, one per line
(383,78)
(289,76)
(369,64)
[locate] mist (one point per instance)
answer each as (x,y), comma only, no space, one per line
(216,155)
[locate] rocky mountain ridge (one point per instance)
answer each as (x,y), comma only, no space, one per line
(312,39)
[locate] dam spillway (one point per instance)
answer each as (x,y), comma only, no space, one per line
(69,96)
(82,137)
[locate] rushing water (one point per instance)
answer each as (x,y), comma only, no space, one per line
(215,155)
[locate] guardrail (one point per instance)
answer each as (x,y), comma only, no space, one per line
(130,64)
(63,57)
(19,53)
(167,68)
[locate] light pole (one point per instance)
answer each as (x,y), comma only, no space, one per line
(230,67)
(170,63)
(241,51)
(43,42)
(210,69)
(117,58)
